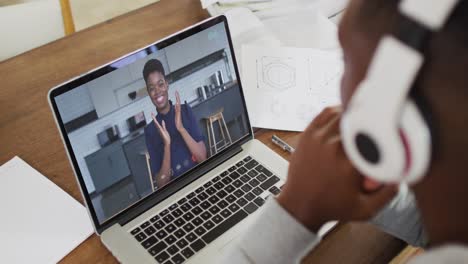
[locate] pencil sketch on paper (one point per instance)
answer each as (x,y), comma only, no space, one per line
(278,109)
(287,87)
(323,79)
(276,73)
(322,73)
(306,112)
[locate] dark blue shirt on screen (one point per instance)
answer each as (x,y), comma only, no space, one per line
(181,158)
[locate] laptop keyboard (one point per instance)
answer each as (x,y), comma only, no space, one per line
(188,225)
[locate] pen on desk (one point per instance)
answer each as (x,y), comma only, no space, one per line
(282,144)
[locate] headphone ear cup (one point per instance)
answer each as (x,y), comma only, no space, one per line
(416,137)
(384,152)
(374,146)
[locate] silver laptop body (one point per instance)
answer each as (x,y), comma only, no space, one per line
(104,117)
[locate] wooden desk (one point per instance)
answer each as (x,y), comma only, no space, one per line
(27,128)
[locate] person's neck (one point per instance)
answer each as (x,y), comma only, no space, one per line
(165,110)
(442,200)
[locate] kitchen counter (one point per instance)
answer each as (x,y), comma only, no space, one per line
(216,91)
(133,135)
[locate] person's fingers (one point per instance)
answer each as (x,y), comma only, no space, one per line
(332,128)
(164,126)
(373,202)
(177,106)
(177,98)
(325,116)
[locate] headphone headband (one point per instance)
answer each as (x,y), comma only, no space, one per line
(432,14)
(383,131)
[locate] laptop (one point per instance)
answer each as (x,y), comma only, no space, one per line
(163,151)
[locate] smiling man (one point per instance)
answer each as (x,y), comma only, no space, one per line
(174,141)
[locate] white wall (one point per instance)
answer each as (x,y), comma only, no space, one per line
(196,47)
(74,104)
(187,87)
(110,92)
(104,90)
(24,26)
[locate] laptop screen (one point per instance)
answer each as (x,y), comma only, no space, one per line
(140,123)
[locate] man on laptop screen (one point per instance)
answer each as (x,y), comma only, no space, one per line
(110,128)
(174,141)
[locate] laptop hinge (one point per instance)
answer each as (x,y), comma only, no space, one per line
(165,193)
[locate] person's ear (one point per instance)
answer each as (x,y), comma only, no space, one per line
(370,185)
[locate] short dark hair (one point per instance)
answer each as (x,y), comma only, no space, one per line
(443,79)
(377,17)
(151,66)
(447,52)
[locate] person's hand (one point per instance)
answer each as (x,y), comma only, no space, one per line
(322,184)
(178,118)
(162,131)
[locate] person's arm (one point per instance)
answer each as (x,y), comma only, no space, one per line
(196,148)
(322,185)
(163,175)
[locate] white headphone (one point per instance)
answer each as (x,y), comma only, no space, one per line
(383,131)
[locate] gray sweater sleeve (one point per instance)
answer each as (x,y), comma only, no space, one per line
(276,237)
(401,218)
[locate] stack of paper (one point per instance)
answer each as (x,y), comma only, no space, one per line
(40,223)
(286,87)
(245,28)
(270,8)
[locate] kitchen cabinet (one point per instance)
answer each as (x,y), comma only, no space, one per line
(107,166)
(118,197)
(102,90)
(76,108)
(102,95)
(74,104)
(135,149)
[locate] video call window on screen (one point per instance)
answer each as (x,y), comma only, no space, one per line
(189,88)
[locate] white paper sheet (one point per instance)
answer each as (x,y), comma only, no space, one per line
(304,29)
(332,7)
(276,8)
(246,28)
(285,88)
(40,223)
(207,3)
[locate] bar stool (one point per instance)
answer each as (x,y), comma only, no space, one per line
(225,141)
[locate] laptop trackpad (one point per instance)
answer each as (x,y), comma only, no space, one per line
(228,243)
